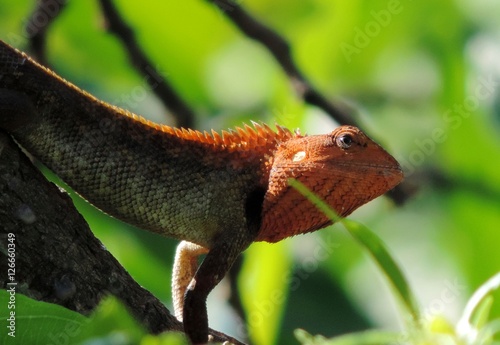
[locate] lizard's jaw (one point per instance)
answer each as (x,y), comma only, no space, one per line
(291,213)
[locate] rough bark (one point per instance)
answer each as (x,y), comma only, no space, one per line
(58,259)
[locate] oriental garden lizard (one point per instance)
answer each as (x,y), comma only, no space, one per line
(217,193)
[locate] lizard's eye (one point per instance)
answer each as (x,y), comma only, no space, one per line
(344,141)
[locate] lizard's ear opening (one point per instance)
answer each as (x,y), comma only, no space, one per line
(299,156)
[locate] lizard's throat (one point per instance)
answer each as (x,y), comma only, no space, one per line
(290,213)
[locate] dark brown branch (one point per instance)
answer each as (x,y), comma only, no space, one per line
(116,25)
(58,259)
(45,12)
(281,51)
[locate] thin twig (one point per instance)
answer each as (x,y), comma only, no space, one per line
(281,51)
(116,25)
(44,14)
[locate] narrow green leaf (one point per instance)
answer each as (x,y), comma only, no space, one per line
(379,252)
(477,310)
(374,245)
(482,312)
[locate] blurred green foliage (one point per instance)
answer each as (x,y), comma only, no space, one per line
(38,323)
(424,77)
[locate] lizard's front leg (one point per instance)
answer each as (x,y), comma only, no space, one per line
(185,265)
(213,268)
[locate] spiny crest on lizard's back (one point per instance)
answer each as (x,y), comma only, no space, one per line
(260,135)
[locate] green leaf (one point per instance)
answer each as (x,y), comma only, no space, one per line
(374,245)
(379,252)
(265,291)
(37,322)
(45,323)
(111,322)
(306,338)
(360,338)
(482,312)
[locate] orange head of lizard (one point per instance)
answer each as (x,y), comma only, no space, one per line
(345,168)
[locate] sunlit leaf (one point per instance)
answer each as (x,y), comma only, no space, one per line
(35,322)
(374,246)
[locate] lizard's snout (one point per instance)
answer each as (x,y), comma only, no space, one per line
(394,176)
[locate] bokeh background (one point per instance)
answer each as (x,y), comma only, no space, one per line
(423,77)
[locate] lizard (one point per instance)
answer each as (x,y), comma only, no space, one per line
(215,192)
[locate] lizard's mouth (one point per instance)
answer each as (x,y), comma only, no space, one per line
(393,175)
(391,169)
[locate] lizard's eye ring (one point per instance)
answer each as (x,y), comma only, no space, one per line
(344,141)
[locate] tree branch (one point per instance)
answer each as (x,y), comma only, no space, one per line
(45,12)
(281,51)
(58,259)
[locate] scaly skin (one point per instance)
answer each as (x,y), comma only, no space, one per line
(219,193)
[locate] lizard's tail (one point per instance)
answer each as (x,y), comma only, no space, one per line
(31,91)
(17,108)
